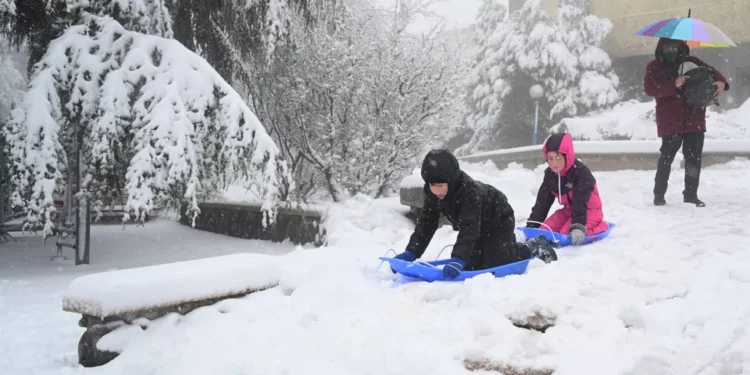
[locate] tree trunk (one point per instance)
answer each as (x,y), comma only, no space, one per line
(333,188)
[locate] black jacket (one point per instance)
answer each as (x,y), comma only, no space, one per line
(473,208)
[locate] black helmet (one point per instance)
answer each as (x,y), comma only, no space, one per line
(699,90)
(440,166)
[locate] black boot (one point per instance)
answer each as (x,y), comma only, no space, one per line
(659,200)
(697,202)
(542,248)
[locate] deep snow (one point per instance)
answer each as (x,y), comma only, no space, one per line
(665,294)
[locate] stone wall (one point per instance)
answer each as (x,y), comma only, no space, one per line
(241,220)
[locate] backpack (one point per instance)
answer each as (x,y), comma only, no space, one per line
(699,90)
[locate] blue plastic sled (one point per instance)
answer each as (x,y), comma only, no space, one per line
(429,271)
(563,239)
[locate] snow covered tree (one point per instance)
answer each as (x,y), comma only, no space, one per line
(562,55)
(356,100)
(594,85)
(482,100)
(158,126)
(7,7)
(254,30)
(12,80)
(40,21)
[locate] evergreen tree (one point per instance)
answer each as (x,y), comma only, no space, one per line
(562,55)
(157,125)
(482,100)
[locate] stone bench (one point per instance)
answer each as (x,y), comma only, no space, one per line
(110,300)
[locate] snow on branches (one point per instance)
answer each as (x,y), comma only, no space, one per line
(144,16)
(7,7)
(157,125)
(484,93)
(358,100)
(529,47)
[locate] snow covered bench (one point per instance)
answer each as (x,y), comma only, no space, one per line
(109,300)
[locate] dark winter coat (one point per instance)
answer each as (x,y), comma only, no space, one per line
(673,114)
(480,213)
(575,186)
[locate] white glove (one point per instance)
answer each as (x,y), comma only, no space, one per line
(577,235)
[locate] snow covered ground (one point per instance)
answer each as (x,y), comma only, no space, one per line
(665,294)
(635,120)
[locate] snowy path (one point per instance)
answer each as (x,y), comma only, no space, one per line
(36,336)
(666,294)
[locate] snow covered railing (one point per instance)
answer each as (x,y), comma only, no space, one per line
(614,155)
(109,300)
(299,226)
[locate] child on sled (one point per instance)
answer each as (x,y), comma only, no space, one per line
(570,182)
(481,214)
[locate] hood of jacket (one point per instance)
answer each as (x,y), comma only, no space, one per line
(562,143)
(664,42)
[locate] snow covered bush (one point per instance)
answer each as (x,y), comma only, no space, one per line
(156,124)
(527,48)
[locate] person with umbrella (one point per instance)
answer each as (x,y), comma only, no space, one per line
(678,123)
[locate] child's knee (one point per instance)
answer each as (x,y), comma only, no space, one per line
(557,223)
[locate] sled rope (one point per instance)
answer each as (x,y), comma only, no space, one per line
(548,228)
(441,251)
(436,258)
(451,265)
(384,255)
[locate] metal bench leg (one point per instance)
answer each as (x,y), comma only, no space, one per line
(88,354)
(4,235)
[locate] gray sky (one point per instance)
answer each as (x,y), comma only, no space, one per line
(457,13)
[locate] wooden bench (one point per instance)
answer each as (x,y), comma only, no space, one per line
(113,299)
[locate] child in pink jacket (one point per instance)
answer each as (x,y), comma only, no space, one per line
(570,182)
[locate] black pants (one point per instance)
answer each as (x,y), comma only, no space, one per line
(497,247)
(692,149)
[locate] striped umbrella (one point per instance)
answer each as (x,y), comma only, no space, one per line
(695,32)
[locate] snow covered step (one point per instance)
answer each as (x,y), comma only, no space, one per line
(138,291)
